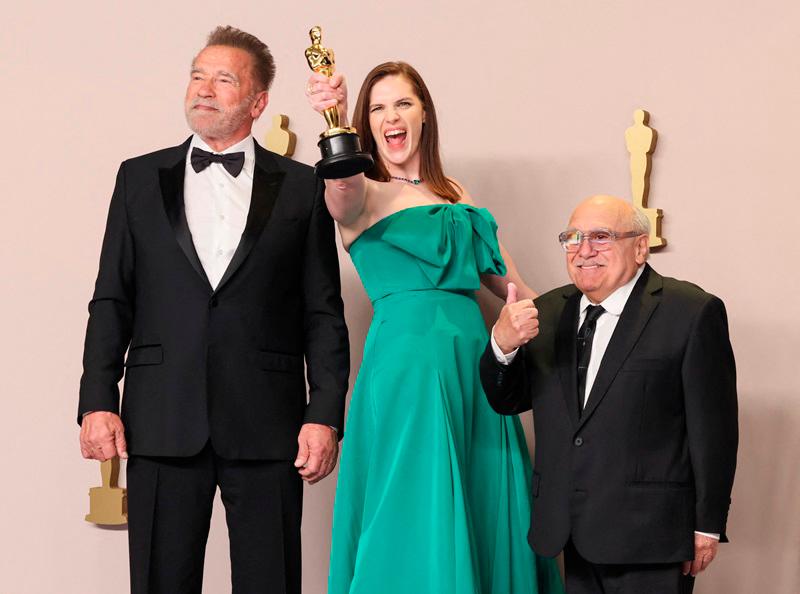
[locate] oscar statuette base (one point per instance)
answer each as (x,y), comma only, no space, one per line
(342,156)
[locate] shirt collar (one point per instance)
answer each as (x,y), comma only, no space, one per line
(615,303)
(246,145)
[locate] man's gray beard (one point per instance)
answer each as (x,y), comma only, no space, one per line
(227,122)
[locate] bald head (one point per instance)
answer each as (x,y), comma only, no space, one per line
(626,216)
(599,272)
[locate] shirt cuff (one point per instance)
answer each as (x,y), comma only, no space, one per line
(502,358)
(709,534)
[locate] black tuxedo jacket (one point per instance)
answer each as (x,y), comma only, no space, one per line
(224,364)
(651,458)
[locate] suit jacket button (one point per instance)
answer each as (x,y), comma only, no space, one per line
(212,303)
(578,441)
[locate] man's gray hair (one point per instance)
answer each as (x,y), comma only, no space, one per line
(640,222)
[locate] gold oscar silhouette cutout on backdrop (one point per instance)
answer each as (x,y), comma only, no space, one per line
(641,141)
(340,145)
(108,505)
(280,139)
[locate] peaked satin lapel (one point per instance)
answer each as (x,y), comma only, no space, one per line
(641,304)
(566,353)
(267,181)
(171,181)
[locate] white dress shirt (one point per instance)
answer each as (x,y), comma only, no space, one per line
(606,323)
(217,205)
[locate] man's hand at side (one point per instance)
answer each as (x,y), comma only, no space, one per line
(102,436)
(317,452)
(705,549)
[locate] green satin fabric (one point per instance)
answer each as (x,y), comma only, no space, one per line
(433,493)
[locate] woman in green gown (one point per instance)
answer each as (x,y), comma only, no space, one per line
(433,491)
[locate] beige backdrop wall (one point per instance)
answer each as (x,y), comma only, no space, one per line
(533,96)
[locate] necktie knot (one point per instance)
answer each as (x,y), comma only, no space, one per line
(589,322)
(593,312)
(232,162)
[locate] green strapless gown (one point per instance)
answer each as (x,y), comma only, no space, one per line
(433,493)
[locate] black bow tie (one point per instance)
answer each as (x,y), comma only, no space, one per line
(232,162)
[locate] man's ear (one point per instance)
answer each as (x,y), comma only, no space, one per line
(642,249)
(261,102)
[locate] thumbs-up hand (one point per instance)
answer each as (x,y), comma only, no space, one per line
(518,323)
(511,295)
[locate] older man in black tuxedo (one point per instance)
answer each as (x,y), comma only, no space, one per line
(632,383)
(219,277)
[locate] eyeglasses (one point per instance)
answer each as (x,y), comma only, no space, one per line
(599,239)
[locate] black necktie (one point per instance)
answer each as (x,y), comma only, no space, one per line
(232,162)
(585,338)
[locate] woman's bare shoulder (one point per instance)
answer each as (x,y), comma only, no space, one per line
(464,196)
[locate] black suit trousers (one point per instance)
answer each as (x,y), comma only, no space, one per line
(169,511)
(585,577)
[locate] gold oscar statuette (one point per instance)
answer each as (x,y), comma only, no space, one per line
(108,505)
(641,142)
(340,145)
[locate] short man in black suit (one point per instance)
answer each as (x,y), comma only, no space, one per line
(632,383)
(219,277)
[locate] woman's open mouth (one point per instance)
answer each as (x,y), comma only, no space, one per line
(395,138)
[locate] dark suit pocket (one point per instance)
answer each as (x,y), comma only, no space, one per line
(644,365)
(662,485)
(537,480)
(151,354)
(662,512)
(270,361)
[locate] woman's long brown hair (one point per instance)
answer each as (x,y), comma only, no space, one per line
(430,163)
